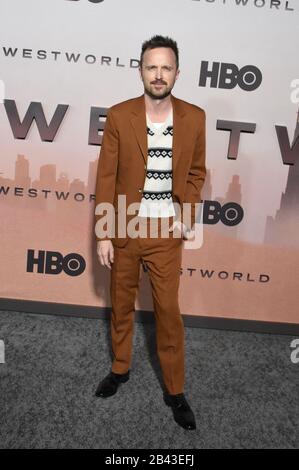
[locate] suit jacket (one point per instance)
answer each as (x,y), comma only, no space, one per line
(123,159)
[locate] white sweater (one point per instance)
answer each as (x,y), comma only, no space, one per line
(157,192)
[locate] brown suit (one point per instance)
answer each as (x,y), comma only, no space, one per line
(122,164)
(122,170)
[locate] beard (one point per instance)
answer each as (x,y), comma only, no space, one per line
(158,95)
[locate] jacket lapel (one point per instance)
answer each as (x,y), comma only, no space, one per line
(138,120)
(178,131)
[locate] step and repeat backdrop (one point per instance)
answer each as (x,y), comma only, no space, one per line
(63,63)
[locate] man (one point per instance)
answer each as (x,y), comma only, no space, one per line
(152,155)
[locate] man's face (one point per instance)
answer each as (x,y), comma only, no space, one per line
(158,72)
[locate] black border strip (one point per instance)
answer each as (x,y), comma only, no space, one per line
(219,323)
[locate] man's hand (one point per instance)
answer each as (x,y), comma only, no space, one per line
(105,252)
(185,233)
(181,227)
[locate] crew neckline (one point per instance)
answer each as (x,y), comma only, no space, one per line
(160,126)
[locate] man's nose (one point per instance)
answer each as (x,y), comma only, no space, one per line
(158,73)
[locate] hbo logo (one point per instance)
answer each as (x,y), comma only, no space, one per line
(53,262)
(230,214)
(224,75)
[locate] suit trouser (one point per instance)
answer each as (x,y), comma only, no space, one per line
(162,257)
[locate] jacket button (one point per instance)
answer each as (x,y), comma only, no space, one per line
(139,190)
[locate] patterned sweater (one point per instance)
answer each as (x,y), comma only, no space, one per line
(157,192)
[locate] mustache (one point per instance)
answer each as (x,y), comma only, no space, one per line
(159,82)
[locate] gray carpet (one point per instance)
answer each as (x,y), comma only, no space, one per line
(242,387)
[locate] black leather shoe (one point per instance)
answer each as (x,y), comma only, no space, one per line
(109,385)
(182,412)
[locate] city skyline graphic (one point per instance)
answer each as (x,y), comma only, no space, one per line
(53,191)
(56,191)
(286,221)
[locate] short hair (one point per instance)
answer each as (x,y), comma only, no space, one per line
(160,41)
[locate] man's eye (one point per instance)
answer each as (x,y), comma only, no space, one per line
(153,67)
